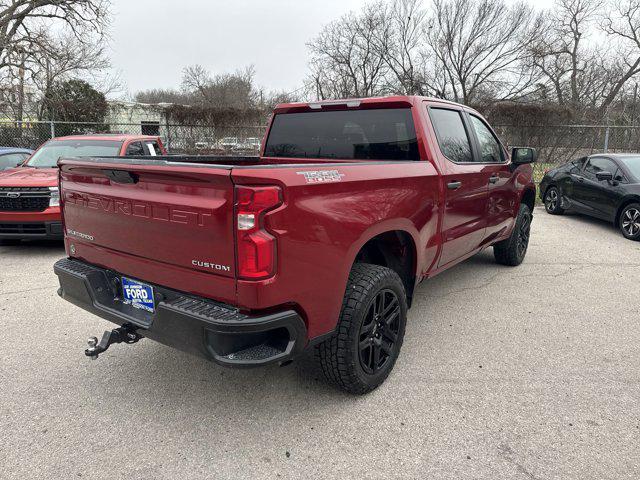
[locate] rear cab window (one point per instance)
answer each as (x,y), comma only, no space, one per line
(370,134)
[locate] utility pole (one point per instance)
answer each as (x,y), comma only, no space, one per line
(20,110)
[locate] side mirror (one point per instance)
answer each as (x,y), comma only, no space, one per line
(602,176)
(523,155)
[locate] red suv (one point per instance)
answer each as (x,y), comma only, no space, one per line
(29,197)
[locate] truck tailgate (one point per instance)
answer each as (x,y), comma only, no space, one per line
(161,213)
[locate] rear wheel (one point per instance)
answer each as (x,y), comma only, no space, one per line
(363,350)
(553,201)
(630,221)
(513,250)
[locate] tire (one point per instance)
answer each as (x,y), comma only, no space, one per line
(348,359)
(513,250)
(629,221)
(553,201)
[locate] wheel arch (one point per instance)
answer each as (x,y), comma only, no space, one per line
(528,198)
(394,249)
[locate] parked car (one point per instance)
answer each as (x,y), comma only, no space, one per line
(11,157)
(249,145)
(228,143)
(604,186)
(29,197)
(319,243)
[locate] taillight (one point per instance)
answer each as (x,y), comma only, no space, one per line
(256,247)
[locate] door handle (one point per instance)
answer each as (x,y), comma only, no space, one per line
(494,179)
(454,185)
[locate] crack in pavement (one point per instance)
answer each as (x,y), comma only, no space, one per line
(2,294)
(488,281)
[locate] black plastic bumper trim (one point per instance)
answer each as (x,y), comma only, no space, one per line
(199,326)
(31,230)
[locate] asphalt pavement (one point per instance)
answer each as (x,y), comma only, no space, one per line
(517,373)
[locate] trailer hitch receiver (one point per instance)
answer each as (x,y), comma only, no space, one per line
(124,334)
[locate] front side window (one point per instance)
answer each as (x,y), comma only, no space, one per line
(490,149)
(47,156)
(599,164)
(376,134)
(451,134)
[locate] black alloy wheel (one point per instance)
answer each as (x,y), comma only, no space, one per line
(524,232)
(379,332)
(552,201)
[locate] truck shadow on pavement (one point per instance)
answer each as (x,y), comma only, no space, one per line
(33,248)
(148,369)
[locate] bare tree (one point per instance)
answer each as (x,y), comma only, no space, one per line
(481,47)
(581,71)
(563,55)
(406,57)
(348,57)
(23,22)
(227,90)
(623,25)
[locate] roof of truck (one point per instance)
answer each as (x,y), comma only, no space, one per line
(107,136)
(397,100)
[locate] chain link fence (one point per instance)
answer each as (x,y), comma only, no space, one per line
(556,144)
(188,139)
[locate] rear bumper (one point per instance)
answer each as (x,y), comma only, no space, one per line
(31,230)
(199,326)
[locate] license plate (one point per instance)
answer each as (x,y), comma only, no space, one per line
(138,295)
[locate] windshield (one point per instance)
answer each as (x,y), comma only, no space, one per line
(47,156)
(378,134)
(633,164)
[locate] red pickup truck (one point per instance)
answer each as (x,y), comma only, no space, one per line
(318,242)
(29,199)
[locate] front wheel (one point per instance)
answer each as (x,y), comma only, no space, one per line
(553,201)
(368,337)
(630,221)
(513,250)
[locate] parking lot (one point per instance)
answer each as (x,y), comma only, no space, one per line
(529,372)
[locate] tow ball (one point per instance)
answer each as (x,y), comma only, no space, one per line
(124,334)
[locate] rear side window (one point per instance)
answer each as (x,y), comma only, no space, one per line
(377,134)
(135,149)
(452,135)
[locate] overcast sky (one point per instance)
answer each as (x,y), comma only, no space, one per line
(153,40)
